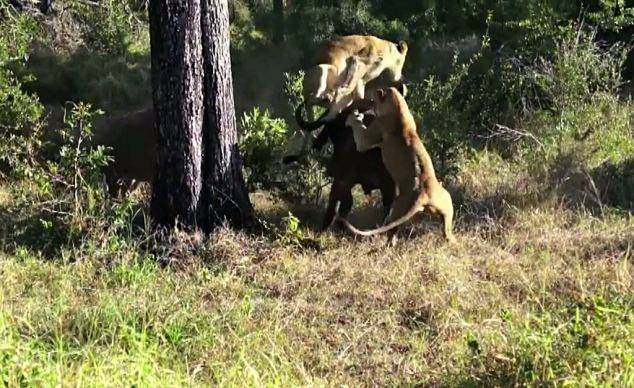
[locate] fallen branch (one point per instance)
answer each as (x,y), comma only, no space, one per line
(511,134)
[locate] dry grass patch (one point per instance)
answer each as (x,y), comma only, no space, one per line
(533,295)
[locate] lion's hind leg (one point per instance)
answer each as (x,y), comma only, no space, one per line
(440,202)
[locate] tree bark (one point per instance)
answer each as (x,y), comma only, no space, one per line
(224,195)
(177,75)
(280,22)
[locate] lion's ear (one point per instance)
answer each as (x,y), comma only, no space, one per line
(402,47)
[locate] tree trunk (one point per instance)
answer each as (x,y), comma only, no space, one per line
(280,22)
(224,194)
(177,76)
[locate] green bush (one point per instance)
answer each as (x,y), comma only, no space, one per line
(63,203)
(580,69)
(20,112)
(442,127)
(262,145)
(264,141)
(307,178)
(58,201)
(108,27)
(528,104)
(328,18)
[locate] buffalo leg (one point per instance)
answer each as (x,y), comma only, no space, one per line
(346,201)
(387,196)
(340,194)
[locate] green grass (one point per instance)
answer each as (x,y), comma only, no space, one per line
(531,294)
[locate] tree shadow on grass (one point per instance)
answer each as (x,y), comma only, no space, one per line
(274,209)
(22,228)
(44,232)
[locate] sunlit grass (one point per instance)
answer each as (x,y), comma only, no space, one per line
(545,296)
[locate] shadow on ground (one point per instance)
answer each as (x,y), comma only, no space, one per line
(112,83)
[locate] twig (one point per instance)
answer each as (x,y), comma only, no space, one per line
(91,3)
(595,191)
(512,134)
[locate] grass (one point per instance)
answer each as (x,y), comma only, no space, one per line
(538,290)
(531,294)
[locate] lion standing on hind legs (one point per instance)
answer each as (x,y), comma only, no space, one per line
(407,161)
(343,66)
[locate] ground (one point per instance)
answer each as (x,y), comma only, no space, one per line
(527,295)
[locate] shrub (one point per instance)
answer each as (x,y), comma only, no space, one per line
(579,69)
(436,103)
(343,18)
(108,27)
(442,127)
(307,178)
(265,140)
(262,145)
(20,112)
(62,204)
(523,89)
(527,104)
(72,195)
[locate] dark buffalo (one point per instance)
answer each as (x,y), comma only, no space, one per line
(347,166)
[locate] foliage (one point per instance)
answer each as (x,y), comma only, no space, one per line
(293,86)
(108,27)
(580,69)
(245,33)
(262,145)
(20,112)
(76,192)
(443,127)
(579,75)
(63,203)
(292,233)
(341,17)
(307,178)
(523,101)
(266,140)
(611,15)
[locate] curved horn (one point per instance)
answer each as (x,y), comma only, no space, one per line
(305,125)
(402,88)
(362,105)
